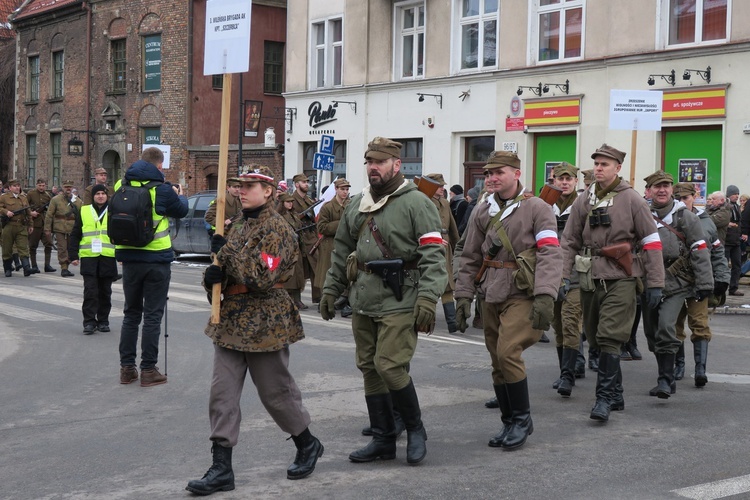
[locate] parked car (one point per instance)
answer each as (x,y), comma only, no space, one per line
(189,234)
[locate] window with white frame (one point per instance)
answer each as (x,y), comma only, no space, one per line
(559,29)
(327,53)
(697,21)
(478,33)
(409,46)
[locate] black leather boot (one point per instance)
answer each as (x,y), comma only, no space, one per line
(449,308)
(521,425)
(492,403)
(505,416)
(219,477)
(665,383)
(26,266)
(556,383)
(679,363)
(606,380)
(700,353)
(580,369)
(383,444)
(309,449)
(567,372)
(618,401)
(17,262)
(397,421)
(34,267)
(8,267)
(47,259)
(408,404)
(593,359)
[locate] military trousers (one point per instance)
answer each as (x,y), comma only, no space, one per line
(277,391)
(384,348)
(35,237)
(62,239)
(697,319)
(608,313)
(568,320)
(660,324)
(507,333)
(15,234)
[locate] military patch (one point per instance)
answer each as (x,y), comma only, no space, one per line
(271,261)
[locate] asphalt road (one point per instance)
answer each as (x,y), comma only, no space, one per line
(69,430)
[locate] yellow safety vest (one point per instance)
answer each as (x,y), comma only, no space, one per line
(161,240)
(94,226)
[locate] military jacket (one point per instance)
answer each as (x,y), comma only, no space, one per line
(61,214)
(718,257)
(449,232)
(259,254)
(410,226)
(38,200)
(529,223)
(232,207)
(88,199)
(10,202)
(297,280)
(630,220)
(686,223)
(562,220)
(308,236)
(328,222)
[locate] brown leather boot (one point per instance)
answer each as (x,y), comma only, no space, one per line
(151,377)
(128,374)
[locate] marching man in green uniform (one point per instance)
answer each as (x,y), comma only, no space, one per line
(507,232)
(389,248)
(328,223)
(61,216)
(16,225)
(39,200)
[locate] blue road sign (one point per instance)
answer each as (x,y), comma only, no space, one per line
(322,161)
(326,144)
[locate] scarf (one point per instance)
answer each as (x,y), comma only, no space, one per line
(601,193)
(565,201)
(389,187)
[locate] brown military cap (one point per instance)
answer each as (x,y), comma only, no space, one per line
(609,152)
(684,189)
(658,177)
(437,177)
(565,168)
(499,159)
(259,174)
(284,197)
(299,178)
(100,170)
(381,148)
(68,184)
(588,176)
(341,183)
(14,182)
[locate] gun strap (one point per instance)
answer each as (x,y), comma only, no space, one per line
(379,238)
(669,226)
(496,223)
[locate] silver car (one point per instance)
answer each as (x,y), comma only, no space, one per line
(190,234)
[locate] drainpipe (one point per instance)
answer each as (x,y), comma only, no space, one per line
(86,143)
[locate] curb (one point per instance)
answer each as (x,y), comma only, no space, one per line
(729,310)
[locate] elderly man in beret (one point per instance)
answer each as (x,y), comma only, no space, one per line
(517,308)
(696,310)
(309,235)
(611,220)
(389,249)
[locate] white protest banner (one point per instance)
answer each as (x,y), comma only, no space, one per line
(227,45)
(635,109)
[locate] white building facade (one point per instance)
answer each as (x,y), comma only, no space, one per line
(455,79)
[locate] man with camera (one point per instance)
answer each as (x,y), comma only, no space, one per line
(607,224)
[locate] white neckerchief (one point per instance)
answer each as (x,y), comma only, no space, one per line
(668,217)
(509,209)
(368,204)
(556,209)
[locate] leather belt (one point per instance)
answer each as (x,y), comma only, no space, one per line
(66,217)
(238,289)
(414,264)
(500,264)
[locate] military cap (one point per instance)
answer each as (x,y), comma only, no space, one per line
(100,170)
(381,148)
(14,182)
(565,168)
(341,183)
(498,159)
(437,177)
(588,176)
(684,189)
(299,178)
(609,152)
(658,177)
(284,197)
(259,174)
(68,183)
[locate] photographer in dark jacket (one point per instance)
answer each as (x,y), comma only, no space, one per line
(146,273)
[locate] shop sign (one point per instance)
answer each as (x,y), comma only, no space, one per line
(687,104)
(563,111)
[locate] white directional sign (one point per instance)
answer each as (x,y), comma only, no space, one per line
(227,46)
(635,109)
(323,161)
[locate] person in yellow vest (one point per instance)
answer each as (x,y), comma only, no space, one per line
(90,246)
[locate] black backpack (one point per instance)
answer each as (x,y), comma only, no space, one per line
(130,215)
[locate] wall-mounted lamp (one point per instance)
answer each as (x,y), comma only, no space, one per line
(536,90)
(438,98)
(351,104)
(706,75)
(563,87)
(670,78)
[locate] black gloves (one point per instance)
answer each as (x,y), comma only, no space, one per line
(720,288)
(214,274)
(217,241)
(562,292)
(653,298)
(701,295)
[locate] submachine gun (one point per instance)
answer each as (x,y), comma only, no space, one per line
(391,271)
(4,219)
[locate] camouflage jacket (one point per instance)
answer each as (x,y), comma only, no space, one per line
(259,254)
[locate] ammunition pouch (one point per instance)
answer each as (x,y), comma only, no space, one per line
(682,269)
(391,271)
(351,267)
(582,264)
(523,277)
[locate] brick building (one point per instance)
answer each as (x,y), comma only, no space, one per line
(99,80)
(7,85)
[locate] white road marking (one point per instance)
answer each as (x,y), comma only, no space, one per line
(716,489)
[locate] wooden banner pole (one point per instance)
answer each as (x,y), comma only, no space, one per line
(633,149)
